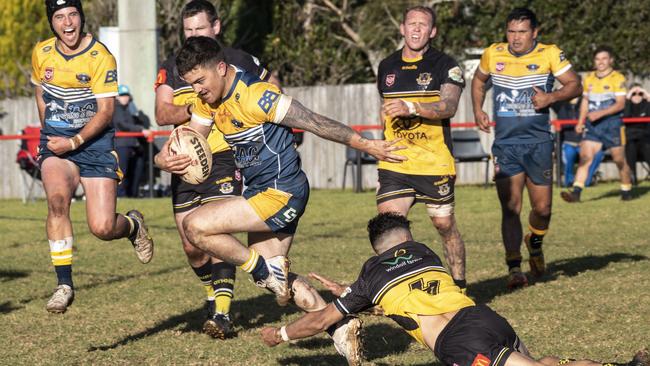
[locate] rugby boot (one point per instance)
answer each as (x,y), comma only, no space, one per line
(641,358)
(516,279)
(219,326)
(570,196)
(278,279)
(142,242)
(626,196)
(60,300)
(536,260)
(347,340)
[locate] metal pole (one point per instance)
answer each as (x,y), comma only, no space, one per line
(358,178)
(558,157)
(150,147)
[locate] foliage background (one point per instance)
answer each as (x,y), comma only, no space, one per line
(311,42)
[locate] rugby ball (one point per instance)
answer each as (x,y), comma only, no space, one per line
(186,141)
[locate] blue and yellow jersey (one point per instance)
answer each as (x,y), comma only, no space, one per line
(71,86)
(602,92)
(513,77)
(184,95)
(407,281)
(248,117)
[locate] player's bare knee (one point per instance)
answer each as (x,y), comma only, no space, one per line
(193,230)
(542,210)
(305,296)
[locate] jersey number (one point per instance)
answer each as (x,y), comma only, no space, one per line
(267,100)
(431,287)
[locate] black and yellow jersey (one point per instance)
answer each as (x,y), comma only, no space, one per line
(407,281)
(184,95)
(71,85)
(601,92)
(419,80)
(248,117)
(513,77)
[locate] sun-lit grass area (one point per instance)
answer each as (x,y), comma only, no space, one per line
(594,302)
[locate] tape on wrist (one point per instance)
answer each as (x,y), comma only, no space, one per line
(78,141)
(411,107)
(72,143)
(283,333)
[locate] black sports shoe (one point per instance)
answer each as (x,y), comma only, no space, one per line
(641,358)
(219,326)
(570,196)
(626,196)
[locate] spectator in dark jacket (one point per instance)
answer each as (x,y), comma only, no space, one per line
(129,149)
(637,135)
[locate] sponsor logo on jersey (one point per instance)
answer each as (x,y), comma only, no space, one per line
(456,74)
(532,67)
(47,48)
(444,189)
(237,96)
(541,49)
(83,78)
(606,87)
(500,48)
(406,123)
(346,292)
(111,77)
(500,66)
(411,67)
(424,79)
(390,80)
(547,173)
(49,74)
(562,56)
(481,360)
(94,53)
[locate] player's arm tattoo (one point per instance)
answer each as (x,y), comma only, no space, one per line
(298,116)
(447,105)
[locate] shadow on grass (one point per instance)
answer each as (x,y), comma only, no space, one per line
(637,193)
(484,291)
(7,307)
(9,275)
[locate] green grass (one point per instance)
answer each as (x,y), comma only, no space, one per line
(594,303)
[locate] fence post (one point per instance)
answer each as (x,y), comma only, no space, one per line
(558,154)
(150,140)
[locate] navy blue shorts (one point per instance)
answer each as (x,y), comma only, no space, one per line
(536,160)
(280,208)
(91,163)
(609,133)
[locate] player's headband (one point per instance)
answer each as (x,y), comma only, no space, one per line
(52,6)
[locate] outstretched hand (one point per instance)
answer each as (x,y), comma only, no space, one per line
(175,164)
(383,150)
(334,287)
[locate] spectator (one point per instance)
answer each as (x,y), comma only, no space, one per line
(129,150)
(637,135)
(571,141)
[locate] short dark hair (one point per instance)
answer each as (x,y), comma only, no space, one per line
(385,222)
(422,9)
(522,14)
(198,51)
(195,7)
(604,48)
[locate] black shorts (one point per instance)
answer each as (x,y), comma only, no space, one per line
(436,189)
(224,181)
(476,336)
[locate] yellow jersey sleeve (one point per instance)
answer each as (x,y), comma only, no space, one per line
(202,112)
(104,82)
(265,103)
(36,67)
(484,65)
(619,85)
(585,84)
(558,61)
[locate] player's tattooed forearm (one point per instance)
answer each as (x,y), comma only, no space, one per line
(448,104)
(298,116)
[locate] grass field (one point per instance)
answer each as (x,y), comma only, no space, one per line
(594,302)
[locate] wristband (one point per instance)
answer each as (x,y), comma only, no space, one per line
(411,107)
(78,140)
(283,334)
(72,143)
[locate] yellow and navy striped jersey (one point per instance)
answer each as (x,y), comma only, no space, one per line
(407,281)
(248,117)
(419,80)
(601,92)
(184,95)
(71,86)
(513,77)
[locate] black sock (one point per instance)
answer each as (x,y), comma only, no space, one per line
(536,241)
(136,227)
(260,271)
(64,275)
(513,260)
